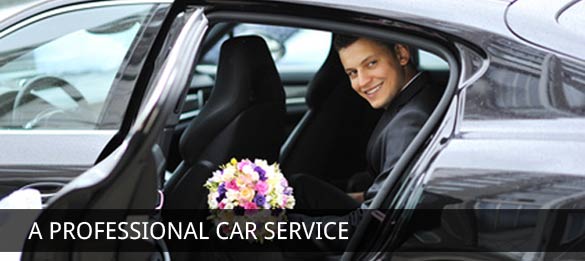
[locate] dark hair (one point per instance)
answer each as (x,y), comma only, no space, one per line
(341,41)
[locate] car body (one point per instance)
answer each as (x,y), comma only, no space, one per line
(505,140)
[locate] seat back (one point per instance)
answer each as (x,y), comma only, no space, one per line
(243,118)
(330,140)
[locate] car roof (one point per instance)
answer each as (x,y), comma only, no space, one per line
(507,18)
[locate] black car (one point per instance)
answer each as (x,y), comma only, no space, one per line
(111,104)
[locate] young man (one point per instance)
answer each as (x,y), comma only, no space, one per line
(385,76)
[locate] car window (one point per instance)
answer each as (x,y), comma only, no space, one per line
(302,49)
(289,46)
(572,18)
(60,78)
(430,62)
(297,52)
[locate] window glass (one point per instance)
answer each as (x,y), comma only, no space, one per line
(293,49)
(572,18)
(430,62)
(297,52)
(57,72)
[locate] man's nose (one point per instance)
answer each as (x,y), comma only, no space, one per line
(363,79)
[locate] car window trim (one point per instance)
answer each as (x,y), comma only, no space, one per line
(125,78)
(143,82)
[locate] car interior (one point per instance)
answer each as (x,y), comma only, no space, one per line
(246,106)
(331,124)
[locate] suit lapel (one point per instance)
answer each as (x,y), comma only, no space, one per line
(403,98)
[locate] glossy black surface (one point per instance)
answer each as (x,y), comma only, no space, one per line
(512,137)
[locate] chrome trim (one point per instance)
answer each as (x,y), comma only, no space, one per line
(188,115)
(297,100)
(66,9)
(175,70)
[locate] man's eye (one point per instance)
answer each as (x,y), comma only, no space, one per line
(372,63)
(351,74)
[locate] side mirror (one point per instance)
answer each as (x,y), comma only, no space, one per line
(276,48)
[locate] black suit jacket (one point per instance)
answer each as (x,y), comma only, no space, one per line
(397,127)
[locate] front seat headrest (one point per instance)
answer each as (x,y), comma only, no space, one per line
(331,75)
(246,75)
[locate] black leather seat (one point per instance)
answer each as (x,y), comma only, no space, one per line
(330,140)
(243,118)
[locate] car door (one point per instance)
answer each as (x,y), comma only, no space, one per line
(67,78)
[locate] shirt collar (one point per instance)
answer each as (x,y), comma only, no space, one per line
(409,82)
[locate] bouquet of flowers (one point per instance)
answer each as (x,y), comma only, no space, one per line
(249,185)
(254,190)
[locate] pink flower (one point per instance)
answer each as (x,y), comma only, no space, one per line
(221,205)
(232,185)
(243,163)
(250,205)
(261,187)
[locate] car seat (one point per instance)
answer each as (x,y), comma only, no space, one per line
(243,118)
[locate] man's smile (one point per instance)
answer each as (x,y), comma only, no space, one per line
(370,92)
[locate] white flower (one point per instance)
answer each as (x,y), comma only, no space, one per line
(216,177)
(232,195)
(262,163)
(290,202)
(247,169)
(228,173)
(279,199)
(211,200)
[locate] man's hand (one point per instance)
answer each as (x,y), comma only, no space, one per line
(357,196)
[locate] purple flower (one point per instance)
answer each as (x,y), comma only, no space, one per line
(221,190)
(261,173)
(260,200)
(288,191)
(220,198)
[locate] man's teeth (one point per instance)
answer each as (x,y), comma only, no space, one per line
(373,90)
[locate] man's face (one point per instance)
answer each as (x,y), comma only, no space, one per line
(376,73)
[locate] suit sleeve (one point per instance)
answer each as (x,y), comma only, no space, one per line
(397,136)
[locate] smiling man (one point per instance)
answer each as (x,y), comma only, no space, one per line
(386,77)
(377,72)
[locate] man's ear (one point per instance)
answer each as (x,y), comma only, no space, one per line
(402,54)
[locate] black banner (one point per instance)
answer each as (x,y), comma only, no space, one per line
(452,230)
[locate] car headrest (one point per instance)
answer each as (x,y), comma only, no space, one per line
(246,75)
(331,75)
